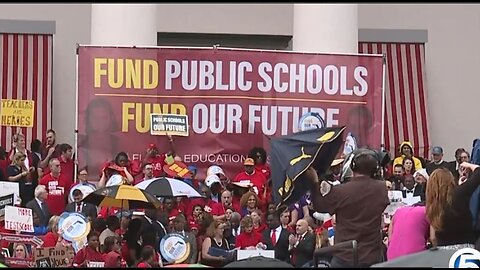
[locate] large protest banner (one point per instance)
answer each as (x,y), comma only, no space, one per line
(234,99)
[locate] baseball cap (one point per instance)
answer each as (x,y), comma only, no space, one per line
(152,146)
(211,179)
(437,150)
(249,162)
(215,169)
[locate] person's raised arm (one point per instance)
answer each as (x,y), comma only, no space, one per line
(103,180)
(321,204)
(128,175)
(469,185)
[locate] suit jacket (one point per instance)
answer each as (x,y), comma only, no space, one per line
(304,250)
(417,191)
(88,210)
(44,216)
(281,247)
(193,256)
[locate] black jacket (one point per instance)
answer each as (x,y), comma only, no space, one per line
(304,250)
(281,247)
(44,216)
(88,209)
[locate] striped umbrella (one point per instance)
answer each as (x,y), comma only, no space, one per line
(186,265)
(168,187)
(122,196)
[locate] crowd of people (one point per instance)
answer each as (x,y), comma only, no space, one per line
(238,213)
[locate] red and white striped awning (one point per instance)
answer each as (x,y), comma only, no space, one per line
(405,95)
(26,73)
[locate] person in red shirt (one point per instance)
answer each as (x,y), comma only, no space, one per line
(258,225)
(52,238)
(170,208)
(57,188)
(248,238)
(259,155)
(50,149)
(157,160)
(207,203)
(252,176)
(90,253)
(147,257)
(66,163)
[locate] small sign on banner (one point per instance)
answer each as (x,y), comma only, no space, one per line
(18,219)
(4,201)
(17,113)
(169,124)
(74,226)
(54,257)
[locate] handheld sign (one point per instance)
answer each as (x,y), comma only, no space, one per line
(169,124)
(18,219)
(17,113)
(177,169)
(4,201)
(174,248)
(74,226)
(54,257)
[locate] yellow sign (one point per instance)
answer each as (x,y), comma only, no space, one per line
(17,113)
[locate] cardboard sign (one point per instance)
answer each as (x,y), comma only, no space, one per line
(7,188)
(4,201)
(17,113)
(169,124)
(18,219)
(177,169)
(54,257)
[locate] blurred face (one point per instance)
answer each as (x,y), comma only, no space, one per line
(252,202)
(398,171)
(408,165)
(51,138)
(256,218)
(301,226)
(43,196)
(116,245)
(437,157)
(271,208)
(20,162)
(55,167)
(197,211)
(82,176)
(249,169)
(77,198)
(100,119)
(285,218)
(228,214)
(206,192)
(406,150)
(420,179)
(20,252)
(178,225)
(272,222)
(122,161)
(219,230)
(168,204)
(93,242)
(463,157)
(409,182)
(21,143)
(234,223)
(148,171)
(227,198)
(249,228)
(68,154)
(258,159)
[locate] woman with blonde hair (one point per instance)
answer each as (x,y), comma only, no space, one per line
(248,237)
(248,203)
(18,172)
(447,207)
(216,240)
(20,251)
(53,238)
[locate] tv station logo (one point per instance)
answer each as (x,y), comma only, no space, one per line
(465,258)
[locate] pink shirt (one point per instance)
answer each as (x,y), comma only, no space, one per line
(410,231)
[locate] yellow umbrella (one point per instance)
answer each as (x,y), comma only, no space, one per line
(122,196)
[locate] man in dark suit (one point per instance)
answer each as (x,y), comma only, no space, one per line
(276,238)
(411,189)
(301,245)
(87,209)
(39,206)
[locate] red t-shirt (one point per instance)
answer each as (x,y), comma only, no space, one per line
(264,169)
(57,189)
(50,240)
(208,205)
(260,228)
(144,265)
(257,179)
(219,208)
(87,254)
(245,240)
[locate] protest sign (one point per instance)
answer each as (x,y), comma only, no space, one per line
(17,113)
(18,219)
(54,257)
(169,124)
(4,201)
(7,188)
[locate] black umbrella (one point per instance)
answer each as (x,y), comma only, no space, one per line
(258,262)
(122,196)
(292,155)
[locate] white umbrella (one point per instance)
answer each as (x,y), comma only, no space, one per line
(168,187)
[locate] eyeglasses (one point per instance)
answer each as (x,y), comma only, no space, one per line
(83,174)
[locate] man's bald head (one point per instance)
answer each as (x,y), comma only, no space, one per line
(301,226)
(227,198)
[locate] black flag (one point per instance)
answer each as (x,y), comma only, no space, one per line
(292,155)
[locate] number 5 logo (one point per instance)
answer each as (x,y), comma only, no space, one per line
(465,258)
